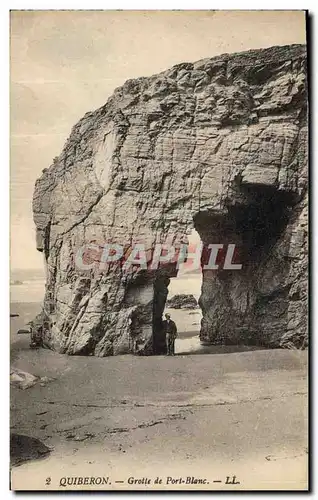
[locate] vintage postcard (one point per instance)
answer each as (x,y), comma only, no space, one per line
(159,250)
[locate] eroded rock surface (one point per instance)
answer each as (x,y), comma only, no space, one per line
(182,301)
(219,145)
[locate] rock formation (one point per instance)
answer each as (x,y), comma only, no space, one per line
(219,145)
(182,301)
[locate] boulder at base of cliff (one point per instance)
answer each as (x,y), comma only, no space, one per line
(25,380)
(182,301)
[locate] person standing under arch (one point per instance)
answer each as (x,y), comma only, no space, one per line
(170,329)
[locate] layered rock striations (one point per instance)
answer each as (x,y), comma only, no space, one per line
(219,145)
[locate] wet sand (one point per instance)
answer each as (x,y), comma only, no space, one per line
(206,416)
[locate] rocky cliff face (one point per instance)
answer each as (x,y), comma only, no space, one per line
(219,145)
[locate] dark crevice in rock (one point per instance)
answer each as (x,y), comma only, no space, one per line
(257,295)
(261,222)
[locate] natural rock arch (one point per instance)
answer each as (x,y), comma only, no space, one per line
(219,145)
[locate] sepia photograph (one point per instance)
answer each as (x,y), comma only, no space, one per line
(159,250)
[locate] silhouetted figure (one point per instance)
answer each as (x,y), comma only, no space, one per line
(170,329)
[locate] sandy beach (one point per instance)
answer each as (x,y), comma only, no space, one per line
(199,416)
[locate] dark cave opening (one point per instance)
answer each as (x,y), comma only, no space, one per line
(253,225)
(254,221)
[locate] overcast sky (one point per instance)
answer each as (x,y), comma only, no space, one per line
(64,64)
